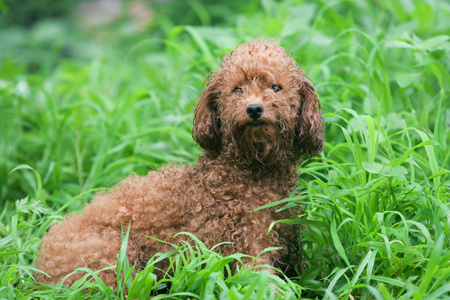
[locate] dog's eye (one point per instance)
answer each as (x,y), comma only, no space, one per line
(237,90)
(276,88)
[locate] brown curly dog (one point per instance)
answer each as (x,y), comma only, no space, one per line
(255,120)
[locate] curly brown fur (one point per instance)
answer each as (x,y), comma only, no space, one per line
(247,162)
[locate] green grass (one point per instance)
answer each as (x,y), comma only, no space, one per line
(79,111)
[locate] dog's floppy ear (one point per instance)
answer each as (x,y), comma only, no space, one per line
(310,126)
(206,130)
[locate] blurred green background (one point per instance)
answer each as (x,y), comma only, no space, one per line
(91,91)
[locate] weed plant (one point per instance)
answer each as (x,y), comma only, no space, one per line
(79,111)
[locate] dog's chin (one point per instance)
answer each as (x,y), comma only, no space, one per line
(256,131)
(256,142)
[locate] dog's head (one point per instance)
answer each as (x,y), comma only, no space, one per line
(259,106)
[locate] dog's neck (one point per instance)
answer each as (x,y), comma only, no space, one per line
(281,177)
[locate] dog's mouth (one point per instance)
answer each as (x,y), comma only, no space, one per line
(262,122)
(255,123)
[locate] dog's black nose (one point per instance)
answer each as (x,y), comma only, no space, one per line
(255,111)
